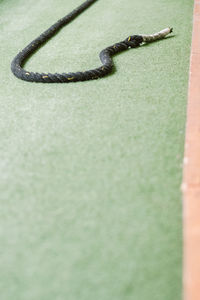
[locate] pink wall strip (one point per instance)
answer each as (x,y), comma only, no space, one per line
(191,172)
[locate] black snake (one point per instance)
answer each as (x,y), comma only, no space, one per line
(105,55)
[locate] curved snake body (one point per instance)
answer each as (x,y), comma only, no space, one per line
(105,55)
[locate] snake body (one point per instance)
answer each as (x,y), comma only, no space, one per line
(105,55)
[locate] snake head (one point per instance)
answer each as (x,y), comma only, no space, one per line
(134,41)
(138,38)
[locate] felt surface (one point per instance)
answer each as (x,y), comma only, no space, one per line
(90,182)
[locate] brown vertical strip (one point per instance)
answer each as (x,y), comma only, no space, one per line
(191,174)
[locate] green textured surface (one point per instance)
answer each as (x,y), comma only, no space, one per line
(90,182)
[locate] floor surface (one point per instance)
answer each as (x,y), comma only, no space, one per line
(90,172)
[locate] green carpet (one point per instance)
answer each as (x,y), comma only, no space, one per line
(90,172)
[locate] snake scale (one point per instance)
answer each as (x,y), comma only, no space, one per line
(105,55)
